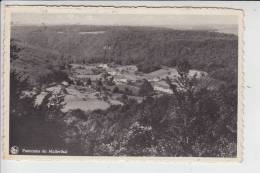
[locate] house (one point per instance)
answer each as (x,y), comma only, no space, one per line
(162,73)
(131,68)
(65,83)
(120,80)
(155,79)
(129,89)
(162,86)
(162,89)
(126,69)
(103,66)
(197,73)
(112,73)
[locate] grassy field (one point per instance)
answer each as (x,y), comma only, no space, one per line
(86,100)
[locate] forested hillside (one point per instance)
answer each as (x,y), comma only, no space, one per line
(147,47)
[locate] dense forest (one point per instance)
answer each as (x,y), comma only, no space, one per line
(146,47)
(192,121)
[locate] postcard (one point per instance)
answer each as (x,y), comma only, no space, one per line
(119,83)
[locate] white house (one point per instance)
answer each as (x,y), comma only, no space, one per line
(120,80)
(65,83)
(155,79)
(162,86)
(199,74)
(112,73)
(162,89)
(103,66)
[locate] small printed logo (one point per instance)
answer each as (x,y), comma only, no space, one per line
(14,150)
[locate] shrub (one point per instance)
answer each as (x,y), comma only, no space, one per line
(53,76)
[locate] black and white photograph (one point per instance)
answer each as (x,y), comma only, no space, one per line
(124,82)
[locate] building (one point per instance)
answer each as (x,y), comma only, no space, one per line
(155,79)
(162,89)
(112,73)
(162,86)
(131,68)
(65,83)
(103,66)
(120,80)
(197,73)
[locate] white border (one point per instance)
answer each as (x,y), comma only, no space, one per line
(122,10)
(252,152)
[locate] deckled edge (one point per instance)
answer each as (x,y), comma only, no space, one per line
(240,109)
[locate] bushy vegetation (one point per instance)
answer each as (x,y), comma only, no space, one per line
(30,125)
(146,89)
(190,122)
(34,126)
(187,123)
(56,76)
(148,67)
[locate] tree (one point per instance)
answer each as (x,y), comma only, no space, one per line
(53,76)
(199,113)
(146,88)
(24,116)
(14,51)
(111,81)
(105,75)
(184,91)
(89,81)
(128,91)
(62,66)
(51,105)
(18,84)
(148,66)
(115,90)
(99,85)
(124,98)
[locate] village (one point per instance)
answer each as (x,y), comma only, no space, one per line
(121,78)
(98,86)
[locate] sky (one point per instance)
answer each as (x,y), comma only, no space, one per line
(171,21)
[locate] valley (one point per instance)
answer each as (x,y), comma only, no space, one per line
(124,90)
(97,86)
(146,47)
